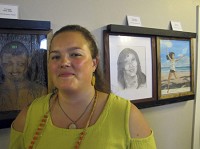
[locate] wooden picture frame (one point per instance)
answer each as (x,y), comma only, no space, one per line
(142,50)
(175,59)
(154,33)
(23,65)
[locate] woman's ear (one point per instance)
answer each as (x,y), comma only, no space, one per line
(95,62)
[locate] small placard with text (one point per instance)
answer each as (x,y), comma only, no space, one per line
(8,11)
(134,21)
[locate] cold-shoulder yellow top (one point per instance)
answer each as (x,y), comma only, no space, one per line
(111,130)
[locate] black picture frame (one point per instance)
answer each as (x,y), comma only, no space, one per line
(23,65)
(141,46)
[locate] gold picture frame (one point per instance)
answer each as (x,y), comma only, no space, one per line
(175,67)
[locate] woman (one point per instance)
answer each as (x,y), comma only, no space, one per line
(172,71)
(130,74)
(78,114)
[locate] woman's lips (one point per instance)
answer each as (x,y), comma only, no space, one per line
(132,70)
(66,74)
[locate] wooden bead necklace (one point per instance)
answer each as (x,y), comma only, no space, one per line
(44,119)
(39,130)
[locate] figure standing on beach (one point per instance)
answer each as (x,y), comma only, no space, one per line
(171,58)
(130,74)
(16,89)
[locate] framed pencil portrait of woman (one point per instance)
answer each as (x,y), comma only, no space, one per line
(129,61)
(175,67)
(23,69)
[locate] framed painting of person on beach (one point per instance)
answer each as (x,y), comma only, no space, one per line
(175,67)
(131,69)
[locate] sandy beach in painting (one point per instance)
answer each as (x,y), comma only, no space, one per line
(181,84)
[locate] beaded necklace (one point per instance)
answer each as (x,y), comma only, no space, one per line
(43,122)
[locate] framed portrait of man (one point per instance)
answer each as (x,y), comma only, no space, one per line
(23,68)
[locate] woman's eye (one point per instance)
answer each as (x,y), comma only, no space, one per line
(55,57)
(133,60)
(75,54)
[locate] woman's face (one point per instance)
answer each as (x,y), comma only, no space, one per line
(70,63)
(14,66)
(172,56)
(130,65)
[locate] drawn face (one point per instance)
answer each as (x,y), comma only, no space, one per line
(70,62)
(14,66)
(130,65)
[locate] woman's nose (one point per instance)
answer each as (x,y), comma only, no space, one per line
(65,62)
(131,64)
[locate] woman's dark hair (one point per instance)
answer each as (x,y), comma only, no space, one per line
(100,84)
(170,54)
(121,65)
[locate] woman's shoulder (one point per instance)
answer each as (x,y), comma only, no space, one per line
(41,100)
(118,103)
(112,102)
(19,122)
(138,126)
(118,99)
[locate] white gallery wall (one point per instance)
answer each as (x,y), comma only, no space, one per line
(196,123)
(173,123)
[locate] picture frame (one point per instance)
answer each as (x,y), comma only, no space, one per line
(175,60)
(142,49)
(23,65)
(155,34)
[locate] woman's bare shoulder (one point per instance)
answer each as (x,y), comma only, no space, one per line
(19,123)
(137,124)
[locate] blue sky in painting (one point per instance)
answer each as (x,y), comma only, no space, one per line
(179,47)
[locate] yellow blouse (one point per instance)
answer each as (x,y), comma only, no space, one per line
(111,130)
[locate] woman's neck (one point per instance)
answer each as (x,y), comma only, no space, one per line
(76,97)
(131,81)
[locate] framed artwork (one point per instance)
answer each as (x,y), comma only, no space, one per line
(154,48)
(23,70)
(175,67)
(130,66)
